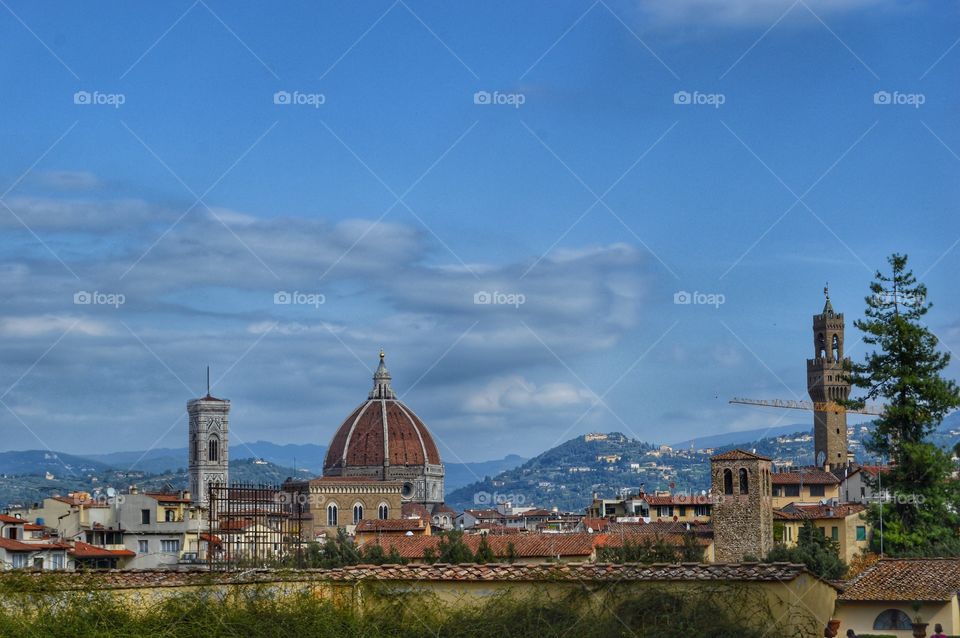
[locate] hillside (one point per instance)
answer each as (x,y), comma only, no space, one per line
(568,475)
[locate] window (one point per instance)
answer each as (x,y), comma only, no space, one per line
(892,619)
(383,512)
(701,510)
(143,547)
(145,517)
(213,449)
(744,481)
(57,561)
(817,490)
(170,546)
(169,516)
(683,511)
(727,482)
(332,515)
(861,533)
(835,533)
(38,562)
(357,513)
(12,533)
(791,490)
(19,560)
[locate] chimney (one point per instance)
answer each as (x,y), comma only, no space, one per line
(133,490)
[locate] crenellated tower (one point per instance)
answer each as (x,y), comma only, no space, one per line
(827,383)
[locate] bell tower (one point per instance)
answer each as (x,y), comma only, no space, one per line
(209,444)
(827,383)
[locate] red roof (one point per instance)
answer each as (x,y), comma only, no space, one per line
(738,455)
(414,510)
(168,498)
(796,511)
(807,477)
(4,518)
(391,525)
(381,430)
(16,546)
(525,545)
(85,550)
(596,524)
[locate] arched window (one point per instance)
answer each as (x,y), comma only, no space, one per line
(892,619)
(744,481)
(213,449)
(168,516)
(727,482)
(821,346)
(383,512)
(357,513)
(332,515)
(836,348)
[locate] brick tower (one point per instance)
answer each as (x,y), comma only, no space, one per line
(743,506)
(827,382)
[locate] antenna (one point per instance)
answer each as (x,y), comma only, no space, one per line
(208,380)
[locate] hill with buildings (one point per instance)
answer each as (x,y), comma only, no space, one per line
(568,475)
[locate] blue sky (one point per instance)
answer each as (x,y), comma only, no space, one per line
(819,138)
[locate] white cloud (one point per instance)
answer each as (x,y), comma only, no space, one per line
(745,12)
(36,326)
(514,392)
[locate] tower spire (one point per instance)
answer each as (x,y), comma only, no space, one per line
(208,380)
(827,307)
(381,382)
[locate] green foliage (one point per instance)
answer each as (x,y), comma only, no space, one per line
(452,549)
(259,612)
(484,553)
(814,549)
(905,373)
(335,552)
(511,553)
(653,550)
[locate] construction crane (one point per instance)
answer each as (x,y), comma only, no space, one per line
(807,405)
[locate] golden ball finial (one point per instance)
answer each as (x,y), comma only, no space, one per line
(381,354)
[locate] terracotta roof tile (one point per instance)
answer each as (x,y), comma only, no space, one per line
(914,579)
(738,455)
(85,550)
(518,572)
(807,477)
(391,525)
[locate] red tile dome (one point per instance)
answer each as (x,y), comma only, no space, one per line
(381,432)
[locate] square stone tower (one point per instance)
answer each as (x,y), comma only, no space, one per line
(209,445)
(827,383)
(743,506)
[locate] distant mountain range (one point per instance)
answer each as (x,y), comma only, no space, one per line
(30,475)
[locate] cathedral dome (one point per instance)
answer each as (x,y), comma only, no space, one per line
(384,439)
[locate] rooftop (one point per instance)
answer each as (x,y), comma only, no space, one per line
(913,579)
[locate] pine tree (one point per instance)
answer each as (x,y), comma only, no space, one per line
(484,553)
(904,372)
(452,549)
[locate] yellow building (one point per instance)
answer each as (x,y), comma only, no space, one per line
(805,485)
(887,598)
(843,523)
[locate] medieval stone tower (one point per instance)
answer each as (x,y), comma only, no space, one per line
(209,444)
(743,506)
(827,382)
